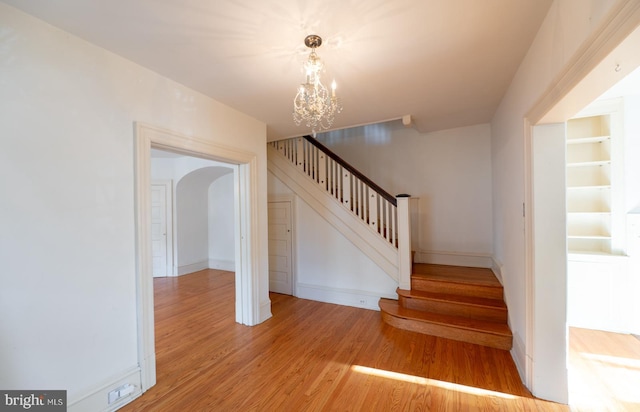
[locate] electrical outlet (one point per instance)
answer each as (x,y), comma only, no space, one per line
(121,392)
(363,302)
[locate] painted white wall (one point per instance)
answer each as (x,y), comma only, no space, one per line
(449,171)
(328,267)
(67,109)
(221,228)
(567,24)
(631,107)
(215,213)
(194,217)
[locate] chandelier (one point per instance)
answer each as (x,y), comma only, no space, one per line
(313,105)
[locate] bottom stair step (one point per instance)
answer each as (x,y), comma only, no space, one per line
(492,334)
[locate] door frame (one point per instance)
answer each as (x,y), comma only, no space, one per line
(170,241)
(585,76)
(246,234)
(291,199)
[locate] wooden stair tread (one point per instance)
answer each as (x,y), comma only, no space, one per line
(392,307)
(456,274)
(445,297)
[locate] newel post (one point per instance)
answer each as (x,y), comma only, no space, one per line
(404,242)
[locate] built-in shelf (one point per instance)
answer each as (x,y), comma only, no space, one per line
(589,184)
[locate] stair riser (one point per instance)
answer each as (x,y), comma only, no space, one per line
(451,288)
(455,309)
(449,332)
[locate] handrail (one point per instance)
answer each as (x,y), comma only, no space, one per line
(386,195)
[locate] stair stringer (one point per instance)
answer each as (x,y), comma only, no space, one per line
(380,251)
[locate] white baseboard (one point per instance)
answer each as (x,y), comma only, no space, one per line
(193,267)
(496,267)
(519,356)
(96,399)
(220,264)
(345,297)
(265,311)
(477,260)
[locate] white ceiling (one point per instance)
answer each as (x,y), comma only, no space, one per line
(447,63)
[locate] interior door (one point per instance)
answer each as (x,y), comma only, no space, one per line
(280,248)
(159,239)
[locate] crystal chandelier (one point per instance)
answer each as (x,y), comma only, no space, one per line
(313,105)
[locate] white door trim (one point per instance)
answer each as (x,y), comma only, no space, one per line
(248,310)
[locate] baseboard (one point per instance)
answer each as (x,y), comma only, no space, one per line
(265,311)
(519,356)
(496,267)
(96,399)
(228,265)
(477,260)
(344,297)
(193,267)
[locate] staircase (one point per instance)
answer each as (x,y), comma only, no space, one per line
(459,303)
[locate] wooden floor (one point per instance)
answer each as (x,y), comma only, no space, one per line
(313,356)
(604,371)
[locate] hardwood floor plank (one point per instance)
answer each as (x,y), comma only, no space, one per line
(312,356)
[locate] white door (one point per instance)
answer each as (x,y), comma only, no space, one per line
(160,249)
(280,248)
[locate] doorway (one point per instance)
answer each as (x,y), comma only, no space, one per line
(589,77)
(249,310)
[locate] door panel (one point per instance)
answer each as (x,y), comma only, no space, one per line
(280,248)
(159,230)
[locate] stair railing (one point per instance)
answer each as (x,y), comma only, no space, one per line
(364,198)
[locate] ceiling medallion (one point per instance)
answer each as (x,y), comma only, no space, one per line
(314,105)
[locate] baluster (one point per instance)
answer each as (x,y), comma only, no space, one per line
(364,202)
(346,188)
(357,189)
(309,159)
(373,210)
(389,220)
(322,170)
(300,153)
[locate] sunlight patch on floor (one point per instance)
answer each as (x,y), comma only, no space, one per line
(429,382)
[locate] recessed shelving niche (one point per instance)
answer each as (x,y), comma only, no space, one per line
(589,184)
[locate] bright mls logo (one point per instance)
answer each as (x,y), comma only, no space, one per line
(42,401)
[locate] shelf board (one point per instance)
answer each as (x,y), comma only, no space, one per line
(590,163)
(601,187)
(594,237)
(589,213)
(589,139)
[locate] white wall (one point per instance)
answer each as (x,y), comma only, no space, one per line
(221,227)
(204,221)
(449,171)
(631,120)
(328,267)
(566,26)
(68,295)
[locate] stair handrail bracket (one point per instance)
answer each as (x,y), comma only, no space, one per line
(386,216)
